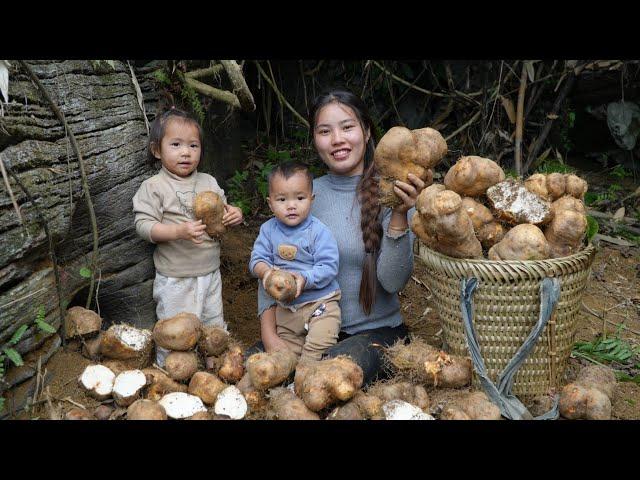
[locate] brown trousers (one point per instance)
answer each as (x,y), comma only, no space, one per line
(312,328)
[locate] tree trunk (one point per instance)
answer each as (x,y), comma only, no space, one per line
(100,105)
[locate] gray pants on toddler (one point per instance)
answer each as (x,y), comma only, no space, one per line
(201,296)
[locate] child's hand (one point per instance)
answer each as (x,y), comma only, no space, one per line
(232,216)
(266,275)
(193,231)
(300,282)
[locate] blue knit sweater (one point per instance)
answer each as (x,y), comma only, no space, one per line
(336,206)
(315,258)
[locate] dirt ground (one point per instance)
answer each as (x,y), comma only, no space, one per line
(613,291)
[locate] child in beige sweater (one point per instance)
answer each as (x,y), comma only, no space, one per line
(186,258)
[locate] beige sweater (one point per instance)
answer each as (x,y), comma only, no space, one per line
(167,198)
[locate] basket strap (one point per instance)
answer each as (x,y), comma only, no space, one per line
(510,406)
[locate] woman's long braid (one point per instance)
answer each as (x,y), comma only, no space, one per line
(371,232)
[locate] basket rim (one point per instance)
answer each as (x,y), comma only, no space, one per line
(583,254)
(501,271)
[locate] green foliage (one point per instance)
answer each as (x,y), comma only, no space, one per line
(511,173)
(620,172)
(14,356)
(622,232)
(590,198)
(300,134)
(85,272)
(190,96)
(278,156)
(625,377)
(161,77)
(592,227)
(614,188)
(610,195)
(262,180)
(554,165)
(40,323)
(607,350)
(238,193)
(99,65)
(567,144)
(17,335)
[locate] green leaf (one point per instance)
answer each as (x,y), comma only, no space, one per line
(14,356)
(592,227)
(17,335)
(41,314)
(625,355)
(1,404)
(85,272)
(44,326)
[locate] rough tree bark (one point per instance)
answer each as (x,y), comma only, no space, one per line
(100,105)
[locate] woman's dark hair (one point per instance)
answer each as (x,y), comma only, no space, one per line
(367,189)
(159,126)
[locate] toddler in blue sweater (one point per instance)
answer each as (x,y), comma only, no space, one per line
(299,243)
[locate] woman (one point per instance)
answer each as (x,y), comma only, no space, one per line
(375,244)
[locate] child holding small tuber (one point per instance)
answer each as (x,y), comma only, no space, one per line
(186,258)
(308,318)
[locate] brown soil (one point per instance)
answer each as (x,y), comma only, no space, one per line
(613,291)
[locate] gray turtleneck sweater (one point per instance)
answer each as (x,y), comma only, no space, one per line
(337,207)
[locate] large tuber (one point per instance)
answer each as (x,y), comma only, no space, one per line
(402,151)
(267,370)
(444,225)
(322,383)
(472,176)
(522,242)
(424,363)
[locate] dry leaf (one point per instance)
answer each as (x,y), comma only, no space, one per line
(544,155)
(530,71)
(508,106)
(619,215)
(4,80)
(559,82)
(552,116)
(504,135)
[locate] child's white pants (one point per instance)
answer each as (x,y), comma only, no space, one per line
(201,296)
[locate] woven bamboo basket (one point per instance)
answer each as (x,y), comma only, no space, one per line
(506,306)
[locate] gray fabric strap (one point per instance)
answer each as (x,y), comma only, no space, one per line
(510,406)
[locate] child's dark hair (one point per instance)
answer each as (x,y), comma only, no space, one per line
(367,189)
(288,169)
(159,126)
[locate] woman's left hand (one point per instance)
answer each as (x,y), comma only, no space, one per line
(408,193)
(232,216)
